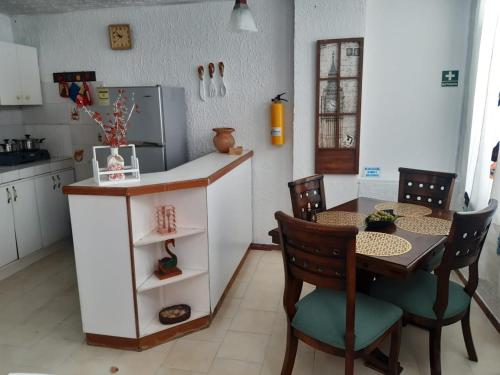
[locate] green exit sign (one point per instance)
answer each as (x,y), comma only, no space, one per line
(449,78)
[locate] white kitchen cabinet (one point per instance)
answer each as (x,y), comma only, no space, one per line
(26,222)
(8,250)
(10,85)
(53,206)
(27,60)
(19,75)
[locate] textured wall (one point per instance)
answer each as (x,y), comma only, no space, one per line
(169,43)
(314,20)
(405,112)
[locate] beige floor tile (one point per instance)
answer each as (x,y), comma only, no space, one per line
(229,307)
(259,299)
(144,363)
(49,352)
(256,321)
(215,332)
(273,361)
(223,366)
(191,355)
(243,346)
(173,371)
(40,331)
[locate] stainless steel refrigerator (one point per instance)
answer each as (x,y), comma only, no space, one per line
(158,130)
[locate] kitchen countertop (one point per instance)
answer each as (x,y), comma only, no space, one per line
(196,173)
(27,170)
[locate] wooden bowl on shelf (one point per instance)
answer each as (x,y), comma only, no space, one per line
(174,314)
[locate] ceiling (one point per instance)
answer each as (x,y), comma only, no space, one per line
(17,7)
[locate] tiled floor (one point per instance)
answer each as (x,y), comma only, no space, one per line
(40,331)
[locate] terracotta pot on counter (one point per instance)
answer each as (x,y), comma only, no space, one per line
(223,139)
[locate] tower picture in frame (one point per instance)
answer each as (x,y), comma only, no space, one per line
(339,73)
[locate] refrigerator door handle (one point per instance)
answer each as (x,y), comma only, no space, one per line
(147,144)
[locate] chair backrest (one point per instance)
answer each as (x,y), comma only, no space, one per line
(308,196)
(322,255)
(463,248)
(427,188)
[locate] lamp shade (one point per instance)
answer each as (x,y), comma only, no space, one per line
(241,18)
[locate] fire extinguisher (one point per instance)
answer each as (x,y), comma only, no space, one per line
(278,120)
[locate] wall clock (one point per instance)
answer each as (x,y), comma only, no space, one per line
(120,36)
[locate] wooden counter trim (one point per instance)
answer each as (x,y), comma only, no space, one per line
(156,188)
(150,341)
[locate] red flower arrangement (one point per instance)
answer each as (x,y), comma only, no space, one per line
(115,127)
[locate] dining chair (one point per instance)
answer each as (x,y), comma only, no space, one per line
(426,188)
(333,318)
(432,301)
(308,196)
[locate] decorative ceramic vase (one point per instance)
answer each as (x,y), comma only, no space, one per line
(115,163)
(223,139)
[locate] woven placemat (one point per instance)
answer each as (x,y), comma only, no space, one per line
(381,244)
(404,209)
(424,225)
(340,218)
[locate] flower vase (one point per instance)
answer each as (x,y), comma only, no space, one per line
(115,163)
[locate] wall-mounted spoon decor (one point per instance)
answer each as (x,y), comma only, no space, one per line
(212,90)
(201,73)
(223,89)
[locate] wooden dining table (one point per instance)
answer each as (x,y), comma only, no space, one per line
(423,246)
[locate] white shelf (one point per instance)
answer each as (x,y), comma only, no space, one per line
(154,282)
(156,326)
(153,236)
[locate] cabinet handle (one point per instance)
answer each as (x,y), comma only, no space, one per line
(27,97)
(9,196)
(15,193)
(58,182)
(54,183)
(18,97)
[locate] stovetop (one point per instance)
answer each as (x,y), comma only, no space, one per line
(21,157)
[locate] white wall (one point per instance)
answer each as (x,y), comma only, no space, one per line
(314,20)
(405,112)
(10,117)
(169,43)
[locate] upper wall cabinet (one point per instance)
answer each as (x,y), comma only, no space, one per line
(19,75)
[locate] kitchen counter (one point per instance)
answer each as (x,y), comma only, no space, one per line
(27,170)
(196,173)
(117,248)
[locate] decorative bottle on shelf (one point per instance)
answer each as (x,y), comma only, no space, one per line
(115,163)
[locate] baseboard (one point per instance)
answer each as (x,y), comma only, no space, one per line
(486,310)
(263,246)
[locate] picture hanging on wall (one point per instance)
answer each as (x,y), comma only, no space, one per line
(338,105)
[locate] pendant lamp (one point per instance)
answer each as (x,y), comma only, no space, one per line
(241,18)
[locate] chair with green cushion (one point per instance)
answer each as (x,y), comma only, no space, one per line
(433,301)
(427,188)
(333,318)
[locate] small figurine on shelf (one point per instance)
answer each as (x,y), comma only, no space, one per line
(167,267)
(165,219)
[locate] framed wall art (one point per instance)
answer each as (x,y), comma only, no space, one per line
(338,105)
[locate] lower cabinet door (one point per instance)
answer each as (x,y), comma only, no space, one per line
(8,250)
(26,222)
(53,206)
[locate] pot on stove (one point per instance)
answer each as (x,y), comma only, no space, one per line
(9,145)
(29,143)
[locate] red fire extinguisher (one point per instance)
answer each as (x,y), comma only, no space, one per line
(278,120)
